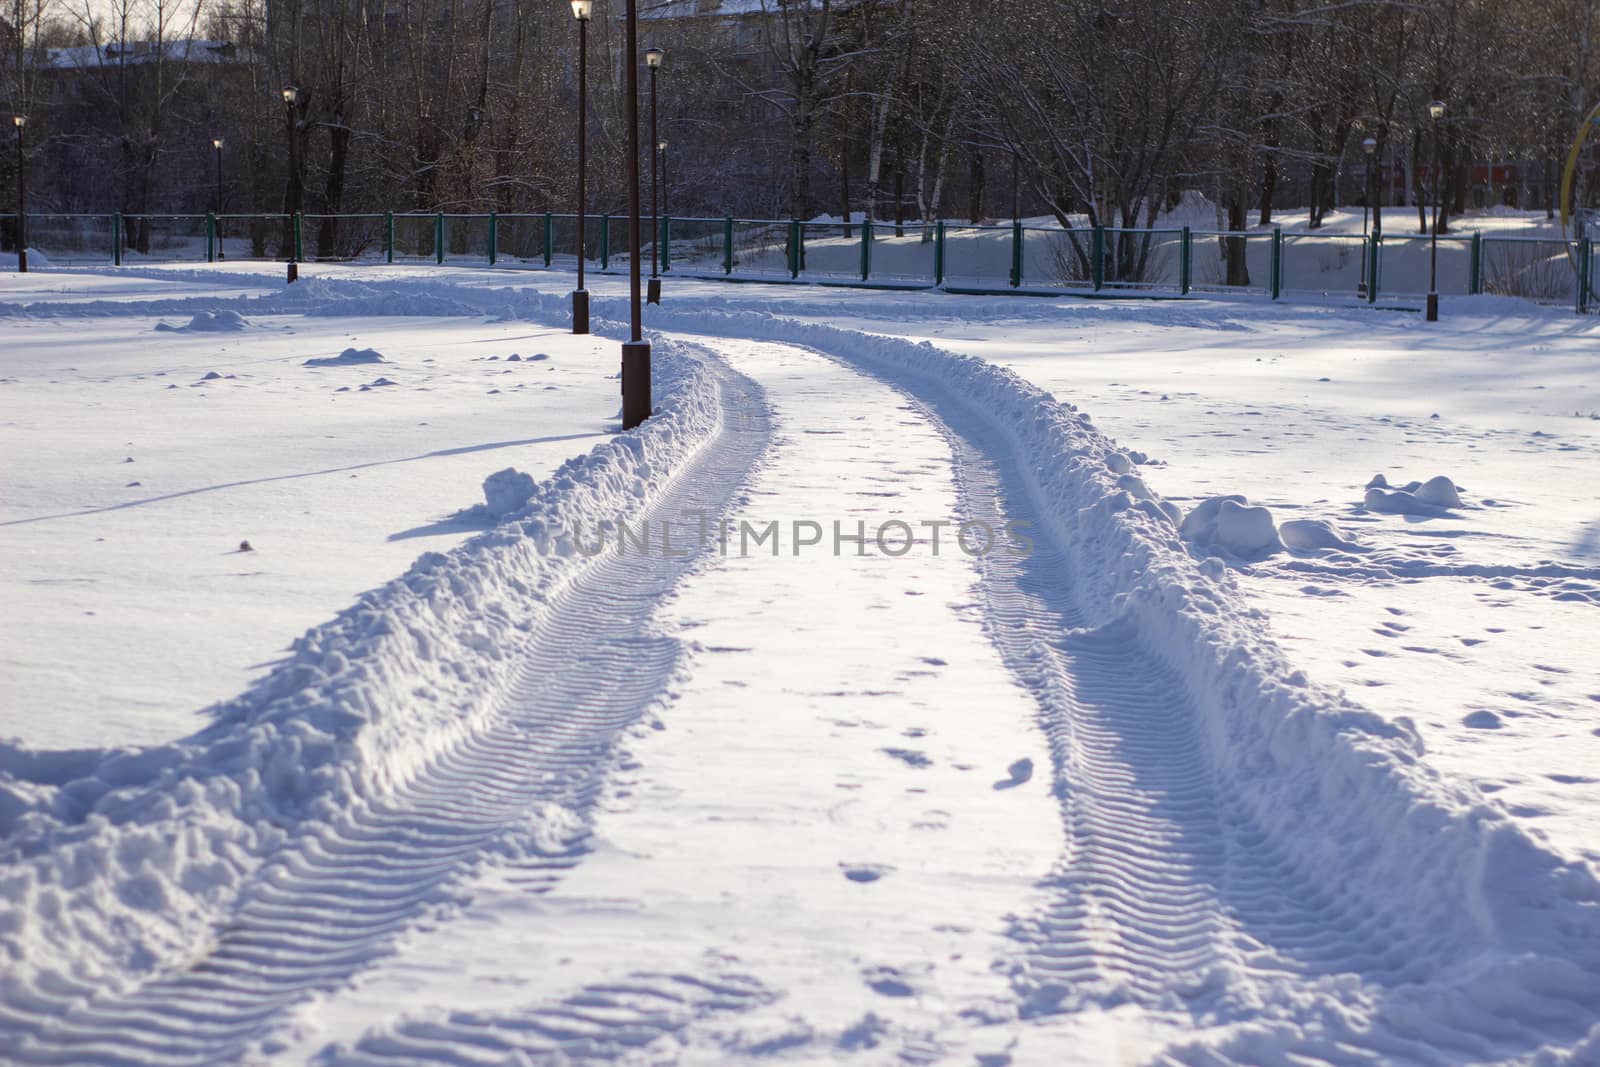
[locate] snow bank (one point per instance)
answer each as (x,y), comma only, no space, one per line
(118,863)
(1339,791)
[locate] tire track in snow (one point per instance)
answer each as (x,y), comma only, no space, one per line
(517,792)
(1167,895)
(600,1023)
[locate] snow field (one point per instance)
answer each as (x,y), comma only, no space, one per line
(1255,868)
(117,525)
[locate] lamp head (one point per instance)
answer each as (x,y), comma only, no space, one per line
(216,143)
(662,147)
(1369,146)
(1436,110)
(290,95)
(653,57)
(19,121)
(582,9)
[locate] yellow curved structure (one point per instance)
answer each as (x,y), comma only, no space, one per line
(1569,179)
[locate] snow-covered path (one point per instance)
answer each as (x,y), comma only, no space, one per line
(1060,799)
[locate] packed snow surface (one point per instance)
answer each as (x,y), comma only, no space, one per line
(869,703)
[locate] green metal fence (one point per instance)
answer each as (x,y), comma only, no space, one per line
(964,258)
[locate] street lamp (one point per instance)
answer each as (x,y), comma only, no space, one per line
(636,350)
(1435,112)
(652,59)
(1369,146)
(216,143)
(19,121)
(292,192)
(581,10)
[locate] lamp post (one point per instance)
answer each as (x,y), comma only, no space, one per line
(19,121)
(1369,146)
(635,351)
(1435,113)
(292,192)
(666,212)
(581,10)
(216,144)
(653,58)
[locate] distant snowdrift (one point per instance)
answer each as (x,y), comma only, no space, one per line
(119,863)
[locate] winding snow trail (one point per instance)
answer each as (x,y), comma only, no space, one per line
(896,807)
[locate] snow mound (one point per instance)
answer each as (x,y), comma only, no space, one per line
(350,357)
(1414,498)
(37,260)
(1229,523)
(224,321)
(1315,534)
(507,491)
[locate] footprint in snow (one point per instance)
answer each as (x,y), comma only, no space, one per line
(1020,771)
(864,872)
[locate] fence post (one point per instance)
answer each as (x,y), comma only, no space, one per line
(211,238)
(866,248)
(727,245)
(388,237)
(1277,262)
(1585,272)
(605,242)
(1185,261)
(1016,254)
(938,252)
(438,237)
(794,248)
(666,243)
(549,237)
(494,236)
(299,239)
(116,239)
(1475,280)
(1097,250)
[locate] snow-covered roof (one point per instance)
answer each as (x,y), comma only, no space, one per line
(185,50)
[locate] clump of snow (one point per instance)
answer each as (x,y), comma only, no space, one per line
(224,321)
(1314,534)
(1231,524)
(349,357)
(1413,498)
(507,491)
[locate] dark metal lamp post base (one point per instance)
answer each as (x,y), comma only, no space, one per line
(635,383)
(580,311)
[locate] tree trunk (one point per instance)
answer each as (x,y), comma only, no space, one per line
(975,189)
(333,189)
(1234,247)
